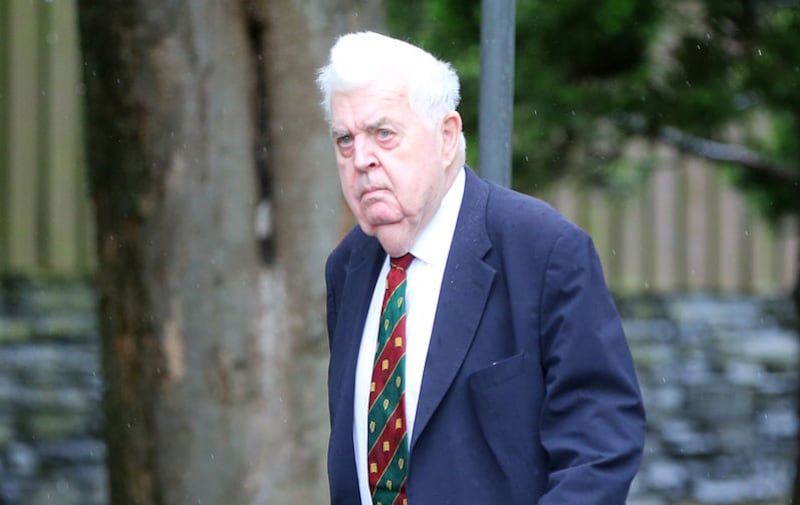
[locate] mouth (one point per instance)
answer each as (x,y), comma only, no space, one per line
(368,191)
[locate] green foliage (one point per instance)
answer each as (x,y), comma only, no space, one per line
(565,53)
(591,73)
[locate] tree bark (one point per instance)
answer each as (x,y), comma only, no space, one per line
(214,187)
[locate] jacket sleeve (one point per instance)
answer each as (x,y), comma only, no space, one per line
(593,421)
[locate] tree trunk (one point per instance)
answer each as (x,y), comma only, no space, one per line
(214,187)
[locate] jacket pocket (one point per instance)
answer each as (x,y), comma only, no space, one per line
(499,372)
(507,398)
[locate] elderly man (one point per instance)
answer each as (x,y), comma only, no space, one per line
(477,356)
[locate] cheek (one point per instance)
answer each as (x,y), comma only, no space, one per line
(412,191)
(348,181)
(346,178)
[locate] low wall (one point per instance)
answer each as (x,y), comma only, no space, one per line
(718,375)
(50,395)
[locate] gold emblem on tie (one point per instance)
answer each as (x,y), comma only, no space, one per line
(385,364)
(386,446)
(401,462)
(373,468)
(389,485)
(398,381)
(399,302)
(385,404)
(372,426)
(398,425)
(398,341)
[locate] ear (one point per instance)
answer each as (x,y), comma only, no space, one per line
(451,135)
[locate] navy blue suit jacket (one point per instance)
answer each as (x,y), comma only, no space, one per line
(529,394)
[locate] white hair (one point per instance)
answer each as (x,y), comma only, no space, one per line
(362,58)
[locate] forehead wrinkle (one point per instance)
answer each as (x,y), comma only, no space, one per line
(361,104)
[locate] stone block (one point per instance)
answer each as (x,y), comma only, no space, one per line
(14,330)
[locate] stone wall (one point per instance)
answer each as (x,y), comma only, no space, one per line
(719,381)
(50,395)
(718,376)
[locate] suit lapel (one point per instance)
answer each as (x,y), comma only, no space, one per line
(362,270)
(465,289)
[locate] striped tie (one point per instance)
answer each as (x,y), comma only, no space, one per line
(388,448)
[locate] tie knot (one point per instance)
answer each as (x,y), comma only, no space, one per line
(401,262)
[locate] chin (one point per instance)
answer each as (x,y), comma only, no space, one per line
(393,241)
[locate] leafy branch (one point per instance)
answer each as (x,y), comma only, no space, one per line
(729,153)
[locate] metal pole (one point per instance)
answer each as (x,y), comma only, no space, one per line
(496,113)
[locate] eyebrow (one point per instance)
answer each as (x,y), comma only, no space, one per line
(379,123)
(375,125)
(385,122)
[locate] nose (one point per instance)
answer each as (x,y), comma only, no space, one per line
(364,156)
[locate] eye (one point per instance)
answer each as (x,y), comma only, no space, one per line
(344,140)
(385,134)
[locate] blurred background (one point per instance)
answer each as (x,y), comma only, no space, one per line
(670,131)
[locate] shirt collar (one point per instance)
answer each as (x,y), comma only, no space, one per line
(433,244)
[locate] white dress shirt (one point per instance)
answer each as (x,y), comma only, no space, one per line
(423,281)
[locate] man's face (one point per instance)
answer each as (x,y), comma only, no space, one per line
(392,167)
